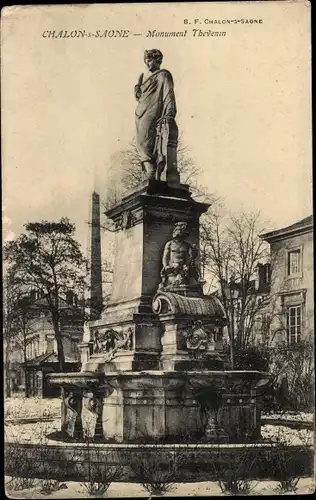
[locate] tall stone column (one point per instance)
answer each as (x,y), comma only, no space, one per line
(95,299)
(93,296)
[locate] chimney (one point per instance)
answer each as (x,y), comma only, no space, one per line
(263,277)
(95,299)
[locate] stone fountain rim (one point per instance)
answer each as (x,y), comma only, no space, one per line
(84,380)
(69,375)
(155,374)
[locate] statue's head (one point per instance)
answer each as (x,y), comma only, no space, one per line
(153,59)
(181,230)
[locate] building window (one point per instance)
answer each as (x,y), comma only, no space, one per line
(294,324)
(294,262)
(49,344)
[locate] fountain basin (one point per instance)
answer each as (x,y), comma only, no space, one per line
(146,405)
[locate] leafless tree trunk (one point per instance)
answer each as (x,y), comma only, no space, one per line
(232,252)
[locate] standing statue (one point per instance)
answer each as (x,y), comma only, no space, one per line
(156,129)
(179,260)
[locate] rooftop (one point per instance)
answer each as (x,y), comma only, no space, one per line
(48,357)
(298,227)
(41,302)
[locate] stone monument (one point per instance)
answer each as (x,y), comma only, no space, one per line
(157,369)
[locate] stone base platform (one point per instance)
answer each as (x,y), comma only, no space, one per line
(192,462)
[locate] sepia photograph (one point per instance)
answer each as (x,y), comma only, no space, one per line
(158,266)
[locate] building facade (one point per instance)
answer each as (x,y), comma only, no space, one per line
(39,346)
(292,287)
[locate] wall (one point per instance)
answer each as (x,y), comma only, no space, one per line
(292,290)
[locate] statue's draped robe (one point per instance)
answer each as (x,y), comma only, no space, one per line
(157,101)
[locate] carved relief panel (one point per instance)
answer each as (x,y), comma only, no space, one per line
(110,341)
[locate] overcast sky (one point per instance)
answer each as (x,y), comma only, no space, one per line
(243,100)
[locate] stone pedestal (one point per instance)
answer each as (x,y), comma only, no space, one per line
(144,221)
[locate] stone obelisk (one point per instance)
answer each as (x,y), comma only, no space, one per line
(93,294)
(95,299)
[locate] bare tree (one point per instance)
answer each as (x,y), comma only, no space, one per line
(20,323)
(128,173)
(8,335)
(231,251)
(18,314)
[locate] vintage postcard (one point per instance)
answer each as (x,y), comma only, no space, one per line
(158,249)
